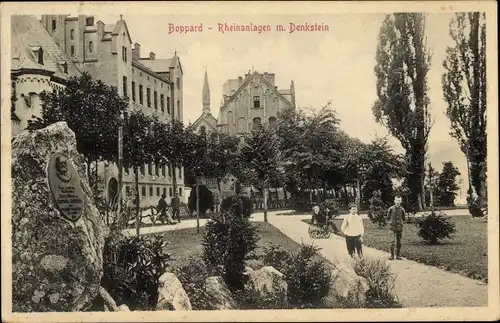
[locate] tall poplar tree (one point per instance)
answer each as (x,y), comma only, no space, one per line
(464,89)
(402,106)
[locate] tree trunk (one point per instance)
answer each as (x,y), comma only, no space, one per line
(285,196)
(265,203)
(358,192)
(324,190)
(174,177)
(346,195)
(137,217)
(197,207)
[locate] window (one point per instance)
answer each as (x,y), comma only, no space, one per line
(180,191)
(256,123)
(143,191)
(124,53)
(178,108)
(148,97)
(203,130)
(272,122)
(163,170)
(168,105)
(150,168)
(53,24)
(162,103)
(72,50)
(178,83)
(170,191)
(125,93)
(157,191)
(72,34)
(256,102)
(91,46)
(89,21)
(127,189)
(156,100)
(133,91)
(141,95)
(142,169)
(40,56)
(169,170)
(157,170)
(180,172)
(241,125)
(151,192)
(164,191)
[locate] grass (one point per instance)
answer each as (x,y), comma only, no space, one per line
(465,254)
(186,243)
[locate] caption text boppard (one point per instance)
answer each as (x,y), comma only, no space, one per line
(250,27)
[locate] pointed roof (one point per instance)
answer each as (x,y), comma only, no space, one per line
(161,65)
(28,36)
(206,94)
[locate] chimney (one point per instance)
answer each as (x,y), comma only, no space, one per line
(152,55)
(136,52)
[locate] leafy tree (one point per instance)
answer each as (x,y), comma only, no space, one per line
(137,147)
(377,212)
(91,110)
(402,106)
(260,154)
(447,185)
(204,202)
(464,89)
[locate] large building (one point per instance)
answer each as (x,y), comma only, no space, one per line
(246,102)
(107,53)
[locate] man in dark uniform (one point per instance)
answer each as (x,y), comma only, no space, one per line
(396,215)
(162,209)
(176,204)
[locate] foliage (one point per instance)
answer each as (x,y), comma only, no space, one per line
(333,208)
(402,106)
(378,211)
(447,185)
(192,276)
(274,255)
(381,282)
(84,104)
(464,89)
(227,243)
(206,200)
(435,226)
(237,205)
(475,208)
(132,268)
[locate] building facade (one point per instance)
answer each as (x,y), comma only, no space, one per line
(46,52)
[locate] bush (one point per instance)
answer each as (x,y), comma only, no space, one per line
(240,205)
(381,282)
(192,276)
(227,243)
(475,208)
(306,273)
(333,208)
(132,268)
(435,226)
(377,212)
(206,201)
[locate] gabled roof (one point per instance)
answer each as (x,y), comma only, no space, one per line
(116,29)
(161,65)
(204,117)
(244,84)
(28,34)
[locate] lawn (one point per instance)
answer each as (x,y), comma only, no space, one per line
(466,253)
(186,243)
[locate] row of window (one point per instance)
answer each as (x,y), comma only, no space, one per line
(159,191)
(149,102)
(157,170)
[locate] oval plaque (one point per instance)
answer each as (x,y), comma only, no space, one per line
(64,183)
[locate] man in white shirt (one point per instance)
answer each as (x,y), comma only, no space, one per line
(353,229)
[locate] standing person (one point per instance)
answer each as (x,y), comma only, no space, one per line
(396,215)
(162,210)
(176,204)
(353,229)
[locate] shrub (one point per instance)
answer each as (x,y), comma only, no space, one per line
(381,282)
(237,205)
(192,276)
(377,212)
(227,243)
(475,208)
(333,207)
(274,255)
(435,226)
(206,201)
(132,268)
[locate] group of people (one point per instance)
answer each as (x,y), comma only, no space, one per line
(164,215)
(353,229)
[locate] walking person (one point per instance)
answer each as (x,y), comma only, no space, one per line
(353,229)
(396,214)
(176,204)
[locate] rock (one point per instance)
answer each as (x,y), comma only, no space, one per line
(255,264)
(56,263)
(269,285)
(220,297)
(109,302)
(347,287)
(171,294)
(123,308)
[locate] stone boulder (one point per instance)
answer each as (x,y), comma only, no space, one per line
(267,285)
(171,294)
(346,287)
(57,263)
(219,295)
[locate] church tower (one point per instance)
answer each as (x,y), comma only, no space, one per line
(206,95)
